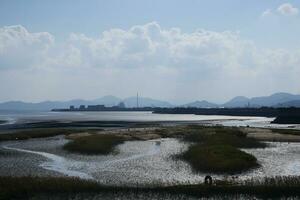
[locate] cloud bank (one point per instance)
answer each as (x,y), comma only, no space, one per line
(285,9)
(163,63)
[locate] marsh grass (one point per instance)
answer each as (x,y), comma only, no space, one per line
(37,133)
(25,187)
(94,144)
(286,131)
(216,149)
(218,159)
(221,136)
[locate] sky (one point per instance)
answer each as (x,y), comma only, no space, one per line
(178,51)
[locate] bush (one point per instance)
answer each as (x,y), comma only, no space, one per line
(94,144)
(218,159)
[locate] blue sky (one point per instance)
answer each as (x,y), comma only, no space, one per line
(261,33)
(91,18)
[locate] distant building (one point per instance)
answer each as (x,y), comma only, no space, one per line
(81,107)
(72,108)
(121,105)
(95,107)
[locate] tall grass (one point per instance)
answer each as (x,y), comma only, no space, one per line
(221,136)
(215,149)
(94,144)
(36,133)
(25,187)
(286,131)
(219,159)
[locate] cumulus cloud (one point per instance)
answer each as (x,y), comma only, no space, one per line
(267,13)
(20,48)
(287,9)
(157,61)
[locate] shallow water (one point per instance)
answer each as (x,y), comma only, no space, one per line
(150,162)
(32,116)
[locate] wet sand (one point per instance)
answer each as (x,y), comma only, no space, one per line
(139,162)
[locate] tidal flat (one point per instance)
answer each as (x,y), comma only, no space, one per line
(147,156)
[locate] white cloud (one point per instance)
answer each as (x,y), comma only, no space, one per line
(20,48)
(162,63)
(267,13)
(287,9)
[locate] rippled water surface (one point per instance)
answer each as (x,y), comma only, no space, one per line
(30,116)
(147,162)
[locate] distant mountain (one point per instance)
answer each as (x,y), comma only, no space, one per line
(239,101)
(272,100)
(295,103)
(106,100)
(145,102)
(275,100)
(200,104)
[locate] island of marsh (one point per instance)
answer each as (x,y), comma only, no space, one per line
(211,150)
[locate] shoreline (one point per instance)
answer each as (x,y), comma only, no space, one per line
(145,157)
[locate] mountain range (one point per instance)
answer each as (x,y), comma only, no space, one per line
(274,100)
(106,100)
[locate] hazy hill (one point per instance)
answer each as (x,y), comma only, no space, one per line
(295,103)
(272,100)
(239,101)
(276,100)
(201,104)
(146,102)
(106,100)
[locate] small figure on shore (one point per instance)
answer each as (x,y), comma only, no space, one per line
(208,180)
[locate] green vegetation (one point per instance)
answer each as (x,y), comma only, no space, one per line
(221,136)
(286,131)
(94,144)
(22,187)
(218,159)
(36,133)
(26,187)
(215,150)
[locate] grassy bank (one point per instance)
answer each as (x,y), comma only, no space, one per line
(219,159)
(286,131)
(94,144)
(216,150)
(220,135)
(36,133)
(25,187)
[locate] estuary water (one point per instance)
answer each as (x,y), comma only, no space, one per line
(31,116)
(16,117)
(140,163)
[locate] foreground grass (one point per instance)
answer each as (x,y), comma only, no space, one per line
(36,133)
(216,150)
(25,187)
(94,144)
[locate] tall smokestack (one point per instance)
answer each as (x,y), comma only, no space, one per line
(137,100)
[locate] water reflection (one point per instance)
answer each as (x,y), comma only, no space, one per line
(152,162)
